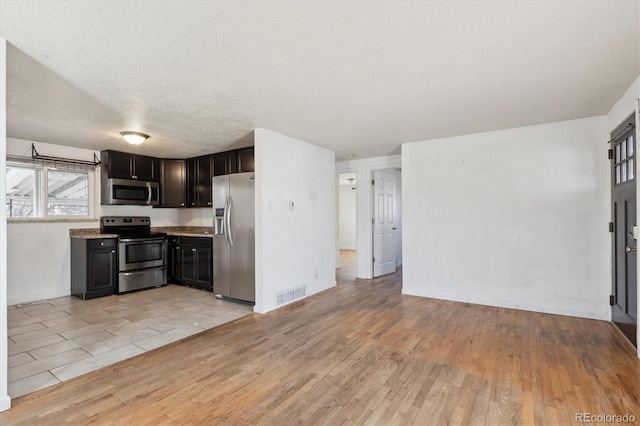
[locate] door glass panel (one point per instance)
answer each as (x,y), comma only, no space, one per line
(630,169)
(618,153)
(617,174)
(623,154)
(623,172)
(630,145)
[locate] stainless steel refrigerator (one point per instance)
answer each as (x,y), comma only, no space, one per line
(234,236)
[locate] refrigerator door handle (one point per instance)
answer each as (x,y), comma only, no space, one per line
(229,226)
(225,219)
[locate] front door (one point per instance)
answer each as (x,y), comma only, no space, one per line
(384,192)
(624,306)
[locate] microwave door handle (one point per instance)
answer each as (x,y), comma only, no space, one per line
(148,193)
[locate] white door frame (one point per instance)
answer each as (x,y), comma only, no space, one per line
(364,205)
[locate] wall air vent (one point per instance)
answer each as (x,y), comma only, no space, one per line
(290,295)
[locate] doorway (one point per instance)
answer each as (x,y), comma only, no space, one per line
(363,173)
(624,299)
(347,224)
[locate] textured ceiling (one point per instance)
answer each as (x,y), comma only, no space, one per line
(355,77)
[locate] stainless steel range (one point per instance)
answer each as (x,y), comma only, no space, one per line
(142,258)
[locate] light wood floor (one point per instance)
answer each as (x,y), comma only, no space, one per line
(360,353)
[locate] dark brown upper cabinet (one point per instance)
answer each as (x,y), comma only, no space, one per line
(236,161)
(123,165)
(224,163)
(172,183)
(199,181)
(245,160)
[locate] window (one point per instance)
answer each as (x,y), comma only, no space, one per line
(35,190)
(623,160)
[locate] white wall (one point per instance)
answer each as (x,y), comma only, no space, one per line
(47,244)
(514,218)
(195,217)
(293,247)
(625,106)
(5,401)
(347,202)
(364,201)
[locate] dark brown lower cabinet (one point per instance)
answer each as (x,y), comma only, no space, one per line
(191,261)
(174,262)
(94,267)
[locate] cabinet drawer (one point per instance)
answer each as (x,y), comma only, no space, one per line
(198,242)
(102,243)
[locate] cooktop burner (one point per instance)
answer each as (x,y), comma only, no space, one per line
(129,227)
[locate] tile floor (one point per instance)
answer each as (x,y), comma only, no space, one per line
(65,337)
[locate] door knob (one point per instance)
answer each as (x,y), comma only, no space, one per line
(630,249)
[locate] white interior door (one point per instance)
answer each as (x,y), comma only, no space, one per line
(384,195)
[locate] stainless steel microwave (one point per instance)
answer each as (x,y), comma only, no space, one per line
(130,192)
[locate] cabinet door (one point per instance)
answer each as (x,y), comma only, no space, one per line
(219,164)
(245,160)
(172,183)
(203,268)
(174,261)
(102,270)
(146,168)
(188,264)
(190,165)
(203,181)
(232,162)
(120,165)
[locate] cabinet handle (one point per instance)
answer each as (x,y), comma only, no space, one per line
(194,249)
(182,204)
(209,203)
(113,251)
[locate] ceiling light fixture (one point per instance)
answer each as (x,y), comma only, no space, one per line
(134,138)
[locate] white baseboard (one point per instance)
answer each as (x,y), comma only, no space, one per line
(521,305)
(5,402)
(26,299)
(263,309)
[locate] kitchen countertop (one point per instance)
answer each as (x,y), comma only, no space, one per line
(186,231)
(89,233)
(179,231)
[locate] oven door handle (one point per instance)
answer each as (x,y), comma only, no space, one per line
(140,241)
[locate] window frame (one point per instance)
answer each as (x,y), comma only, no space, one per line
(41,193)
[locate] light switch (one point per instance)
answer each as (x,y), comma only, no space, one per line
(635,232)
